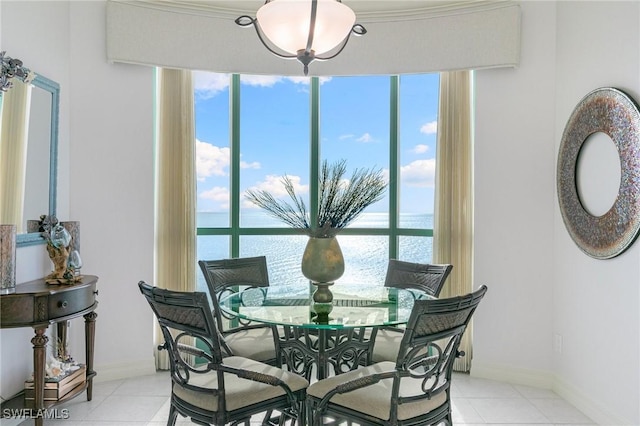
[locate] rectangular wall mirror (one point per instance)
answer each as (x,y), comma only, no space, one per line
(28,155)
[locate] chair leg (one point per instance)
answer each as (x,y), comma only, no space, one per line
(308,414)
(302,414)
(313,417)
(173,414)
(266,421)
(293,418)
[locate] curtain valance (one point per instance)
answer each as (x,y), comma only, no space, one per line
(205,37)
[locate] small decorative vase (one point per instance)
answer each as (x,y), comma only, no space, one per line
(322,263)
(7,259)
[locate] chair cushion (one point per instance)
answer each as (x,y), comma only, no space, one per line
(253,343)
(239,392)
(386,346)
(375,400)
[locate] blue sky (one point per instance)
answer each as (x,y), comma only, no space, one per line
(274,132)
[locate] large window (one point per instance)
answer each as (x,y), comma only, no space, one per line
(252,130)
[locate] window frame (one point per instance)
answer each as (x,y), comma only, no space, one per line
(393,231)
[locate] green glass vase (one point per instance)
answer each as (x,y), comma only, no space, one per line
(322,263)
(322,260)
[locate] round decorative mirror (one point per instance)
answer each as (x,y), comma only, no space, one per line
(613,113)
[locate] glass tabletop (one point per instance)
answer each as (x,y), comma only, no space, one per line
(349,308)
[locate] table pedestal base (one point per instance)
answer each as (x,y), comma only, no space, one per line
(325,349)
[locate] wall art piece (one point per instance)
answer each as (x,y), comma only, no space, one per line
(7,259)
(614,113)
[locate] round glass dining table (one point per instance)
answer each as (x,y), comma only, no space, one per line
(325,338)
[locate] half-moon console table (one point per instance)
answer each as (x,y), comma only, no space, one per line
(37,304)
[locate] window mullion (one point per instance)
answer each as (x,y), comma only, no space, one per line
(234,169)
(394,165)
(314,160)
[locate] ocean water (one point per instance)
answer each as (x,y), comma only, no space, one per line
(366,257)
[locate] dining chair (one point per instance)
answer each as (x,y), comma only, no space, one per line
(225,276)
(424,277)
(207,387)
(413,390)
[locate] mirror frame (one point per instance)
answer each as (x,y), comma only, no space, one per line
(614,113)
(33,238)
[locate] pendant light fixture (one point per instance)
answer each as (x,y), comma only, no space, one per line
(305,30)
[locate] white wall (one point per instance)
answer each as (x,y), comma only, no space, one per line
(37,34)
(596,301)
(539,282)
(514,199)
(105,181)
(111,186)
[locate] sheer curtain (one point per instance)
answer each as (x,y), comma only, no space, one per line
(175,231)
(453,224)
(14,127)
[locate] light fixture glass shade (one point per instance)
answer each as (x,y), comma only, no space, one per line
(286,24)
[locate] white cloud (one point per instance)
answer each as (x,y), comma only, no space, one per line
(300,80)
(260,80)
(365,138)
(270,80)
(253,165)
(217,194)
(307,80)
(211,160)
(420,149)
(207,84)
(385,175)
(419,173)
(273,185)
(430,128)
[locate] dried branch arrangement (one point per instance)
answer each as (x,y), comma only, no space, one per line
(340,201)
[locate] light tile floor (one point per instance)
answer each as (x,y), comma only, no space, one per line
(143,401)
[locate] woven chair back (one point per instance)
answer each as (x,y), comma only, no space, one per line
(226,276)
(185,320)
(426,277)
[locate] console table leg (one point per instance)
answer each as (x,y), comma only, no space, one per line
(89,333)
(39,360)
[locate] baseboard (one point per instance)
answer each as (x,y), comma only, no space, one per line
(108,372)
(545,380)
(589,407)
(516,376)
